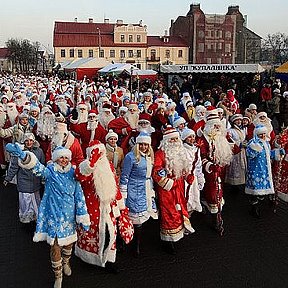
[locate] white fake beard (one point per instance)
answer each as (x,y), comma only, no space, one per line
(92,125)
(12,115)
(175,158)
(62,107)
(104,119)
(104,181)
(45,126)
(2,119)
(57,140)
(82,117)
(132,119)
(223,151)
(19,102)
(149,129)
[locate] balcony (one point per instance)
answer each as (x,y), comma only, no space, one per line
(153,59)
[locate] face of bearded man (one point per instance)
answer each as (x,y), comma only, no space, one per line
(62,105)
(92,123)
(58,139)
(132,119)
(105,118)
(219,146)
(175,158)
(12,113)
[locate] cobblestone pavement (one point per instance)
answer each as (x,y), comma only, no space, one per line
(252,253)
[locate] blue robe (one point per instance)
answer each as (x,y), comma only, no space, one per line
(259,175)
(63,205)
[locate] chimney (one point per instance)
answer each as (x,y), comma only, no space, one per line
(165,33)
(232,10)
(106,20)
(119,22)
(90,20)
(75,20)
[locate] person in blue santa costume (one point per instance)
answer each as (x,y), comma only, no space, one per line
(62,206)
(259,182)
(136,185)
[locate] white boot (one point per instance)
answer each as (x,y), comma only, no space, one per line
(58,283)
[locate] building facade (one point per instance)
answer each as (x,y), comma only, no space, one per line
(5,63)
(217,39)
(118,42)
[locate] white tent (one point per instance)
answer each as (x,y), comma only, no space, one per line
(117,68)
(87,63)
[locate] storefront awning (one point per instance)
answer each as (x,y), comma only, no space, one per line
(212,68)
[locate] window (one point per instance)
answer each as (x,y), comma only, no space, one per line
(219,61)
(101,53)
(201,34)
(201,47)
(90,53)
(220,46)
(209,46)
(228,34)
(122,53)
(220,33)
(63,53)
(130,38)
(122,38)
(130,53)
(180,53)
(209,61)
(138,53)
(138,66)
(138,38)
(80,53)
(227,48)
(112,53)
(71,53)
(167,53)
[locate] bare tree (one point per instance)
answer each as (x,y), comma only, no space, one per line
(275,48)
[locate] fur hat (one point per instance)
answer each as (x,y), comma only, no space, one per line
(252,106)
(260,129)
(111,133)
(143,138)
(28,136)
(186,133)
(170,132)
(236,117)
(61,152)
(106,107)
(145,116)
(178,121)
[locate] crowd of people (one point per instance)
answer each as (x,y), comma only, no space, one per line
(110,159)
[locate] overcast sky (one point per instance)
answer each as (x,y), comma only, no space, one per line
(34,19)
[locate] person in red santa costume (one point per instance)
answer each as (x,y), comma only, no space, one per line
(88,131)
(171,167)
(12,114)
(198,122)
(216,153)
(44,128)
(124,126)
(63,137)
(105,204)
(61,106)
(20,101)
(106,116)
(262,119)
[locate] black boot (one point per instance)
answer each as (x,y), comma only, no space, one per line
(169,247)
(111,268)
(255,211)
(137,240)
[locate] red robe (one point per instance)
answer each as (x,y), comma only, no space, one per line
(74,146)
(213,187)
(174,218)
(85,135)
(91,244)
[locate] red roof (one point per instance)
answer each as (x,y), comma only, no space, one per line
(75,34)
(4,53)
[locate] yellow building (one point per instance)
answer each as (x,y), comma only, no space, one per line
(118,42)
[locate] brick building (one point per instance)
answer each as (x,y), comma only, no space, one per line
(118,42)
(217,39)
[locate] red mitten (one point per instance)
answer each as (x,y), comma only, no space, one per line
(125,226)
(190,179)
(95,155)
